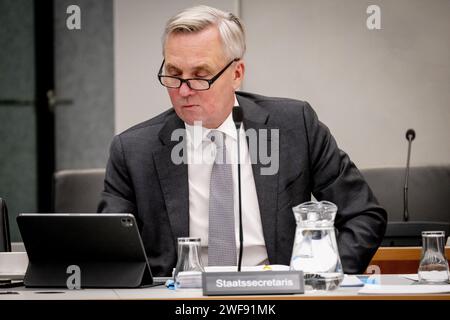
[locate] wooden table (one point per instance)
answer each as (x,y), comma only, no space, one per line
(400,260)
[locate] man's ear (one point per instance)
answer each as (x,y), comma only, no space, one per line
(239,72)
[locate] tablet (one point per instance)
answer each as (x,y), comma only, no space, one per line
(84,251)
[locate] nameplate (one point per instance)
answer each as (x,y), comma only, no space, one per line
(252,282)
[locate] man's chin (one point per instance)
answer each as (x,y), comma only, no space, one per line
(193,121)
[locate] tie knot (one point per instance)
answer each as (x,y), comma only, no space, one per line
(217,138)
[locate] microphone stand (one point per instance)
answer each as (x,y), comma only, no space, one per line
(237,117)
(241,233)
(410,135)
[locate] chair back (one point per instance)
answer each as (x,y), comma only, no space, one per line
(428,201)
(429,191)
(77,191)
(5,240)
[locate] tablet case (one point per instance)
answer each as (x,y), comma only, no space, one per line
(107,249)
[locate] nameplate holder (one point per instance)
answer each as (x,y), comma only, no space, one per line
(252,282)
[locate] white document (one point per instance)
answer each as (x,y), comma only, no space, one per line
(351,281)
(411,276)
(272,267)
(190,279)
(404,289)
(12,276)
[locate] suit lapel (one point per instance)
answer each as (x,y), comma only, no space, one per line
(266,185)
(173,178)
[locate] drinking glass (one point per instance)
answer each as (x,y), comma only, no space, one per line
(189,258)
(433,266)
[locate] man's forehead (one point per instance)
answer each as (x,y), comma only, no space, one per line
(194,66)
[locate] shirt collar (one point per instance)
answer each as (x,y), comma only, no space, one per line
(197,134)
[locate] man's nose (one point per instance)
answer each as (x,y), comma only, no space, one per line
(185,90)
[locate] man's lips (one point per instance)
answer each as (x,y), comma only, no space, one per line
(189,105)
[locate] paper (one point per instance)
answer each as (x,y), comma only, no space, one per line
(411,276)
(190,279)
(351,281)
(12,276)
(404,289)
(272,267)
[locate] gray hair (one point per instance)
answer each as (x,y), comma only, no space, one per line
(196,19)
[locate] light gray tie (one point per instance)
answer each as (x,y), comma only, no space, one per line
(221,236)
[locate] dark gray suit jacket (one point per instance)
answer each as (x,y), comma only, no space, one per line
(141,179)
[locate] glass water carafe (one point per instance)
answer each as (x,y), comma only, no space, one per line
(315,250)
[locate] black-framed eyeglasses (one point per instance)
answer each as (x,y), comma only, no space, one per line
(197,84)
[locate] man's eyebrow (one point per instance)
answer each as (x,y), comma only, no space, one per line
(170,67)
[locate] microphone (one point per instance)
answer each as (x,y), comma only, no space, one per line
(238,116)
(410,136)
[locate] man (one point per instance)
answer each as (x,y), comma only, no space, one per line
(202,69)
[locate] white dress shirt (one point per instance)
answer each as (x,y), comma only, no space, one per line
(201,155)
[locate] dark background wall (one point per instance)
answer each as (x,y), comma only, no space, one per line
(83,73)
(17,121)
